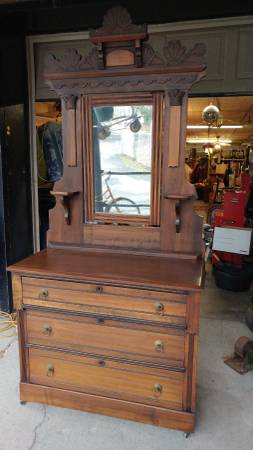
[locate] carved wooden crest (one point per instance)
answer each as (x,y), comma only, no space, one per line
(117,21)
(120,39)
(174,54)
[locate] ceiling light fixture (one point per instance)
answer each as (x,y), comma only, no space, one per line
(205,127)
(211,115)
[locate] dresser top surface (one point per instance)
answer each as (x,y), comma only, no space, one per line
(126,269)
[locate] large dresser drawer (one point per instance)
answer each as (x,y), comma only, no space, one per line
(160,306)
(108,378)
(109,337)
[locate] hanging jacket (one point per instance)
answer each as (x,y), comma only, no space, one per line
(50,135)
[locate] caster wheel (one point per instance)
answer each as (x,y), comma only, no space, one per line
(186,435)
(22,402)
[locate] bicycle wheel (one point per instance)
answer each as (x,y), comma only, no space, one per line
(122,205)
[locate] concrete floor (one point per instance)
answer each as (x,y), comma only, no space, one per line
(225,398)
(222,304)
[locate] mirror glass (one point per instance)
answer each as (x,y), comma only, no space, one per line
(122,147)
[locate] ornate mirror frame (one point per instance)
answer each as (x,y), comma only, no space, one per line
(156,101)
(122,63)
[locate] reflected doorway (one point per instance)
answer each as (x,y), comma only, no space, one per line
(48,120)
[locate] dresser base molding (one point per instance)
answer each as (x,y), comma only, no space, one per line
(107,406)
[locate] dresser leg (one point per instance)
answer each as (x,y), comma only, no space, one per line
(22,402)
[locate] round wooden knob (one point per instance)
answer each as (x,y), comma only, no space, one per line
(158,344)
(158,388)
(50,370)
(101,362)
(47,329)
(159,307)
(44,293)
(99,289)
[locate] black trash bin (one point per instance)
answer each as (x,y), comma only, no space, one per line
(232,277)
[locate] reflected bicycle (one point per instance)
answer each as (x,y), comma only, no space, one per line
(118,205)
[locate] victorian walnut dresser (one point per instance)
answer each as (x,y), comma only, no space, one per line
(108,314)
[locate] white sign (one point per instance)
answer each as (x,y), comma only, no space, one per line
(232,240)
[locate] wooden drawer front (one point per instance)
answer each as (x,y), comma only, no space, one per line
(107,378)
(149,305)
(106,337)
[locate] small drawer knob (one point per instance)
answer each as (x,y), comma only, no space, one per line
(159,307)
(47,329)
(158,388)
(44,293)
(99,289)
(101,362)
(100,320)
(50,370)
(158,345)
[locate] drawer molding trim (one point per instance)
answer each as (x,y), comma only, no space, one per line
(111,283)
(107,358)
(105,316)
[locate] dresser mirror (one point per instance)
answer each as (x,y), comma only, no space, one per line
(121,176)
(122,146)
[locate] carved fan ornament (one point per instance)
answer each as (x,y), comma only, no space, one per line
(72,61)
(117,22)
(174,54)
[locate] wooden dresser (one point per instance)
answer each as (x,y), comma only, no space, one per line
(108,315)
(110,334)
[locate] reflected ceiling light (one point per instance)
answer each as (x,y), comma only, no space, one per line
(204,127)
(205,141)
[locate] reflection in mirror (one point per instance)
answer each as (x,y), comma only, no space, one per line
(122,146)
